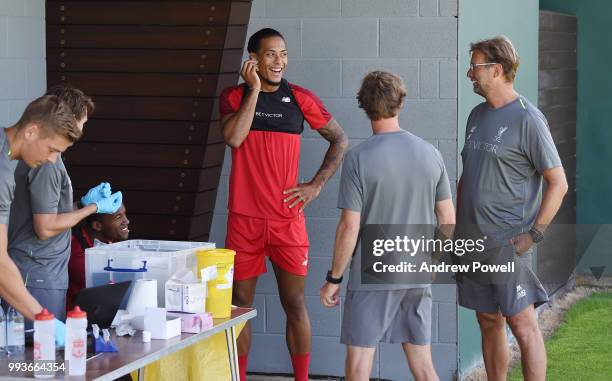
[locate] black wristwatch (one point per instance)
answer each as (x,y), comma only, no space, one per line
(536,235)
(331,279)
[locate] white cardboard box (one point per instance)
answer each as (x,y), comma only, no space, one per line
(160,324)
(186,297)
(186,293)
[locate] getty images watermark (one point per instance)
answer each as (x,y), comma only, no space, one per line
(425,254)
(420,254)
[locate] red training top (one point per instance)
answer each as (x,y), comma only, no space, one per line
(80,241)
(267,162)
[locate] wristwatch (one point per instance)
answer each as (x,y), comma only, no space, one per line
(536,235)
(329,278)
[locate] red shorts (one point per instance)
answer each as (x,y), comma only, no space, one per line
(285,242)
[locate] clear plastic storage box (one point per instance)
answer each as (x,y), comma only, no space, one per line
(140,259)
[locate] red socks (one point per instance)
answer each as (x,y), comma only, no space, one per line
(300,366)
(242,365)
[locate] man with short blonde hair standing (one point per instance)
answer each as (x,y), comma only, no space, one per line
(393,178)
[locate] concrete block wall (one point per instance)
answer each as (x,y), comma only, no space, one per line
(22,56)
(331,45)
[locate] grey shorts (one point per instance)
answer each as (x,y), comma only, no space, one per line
(53,300)
(508,293)
(397,316)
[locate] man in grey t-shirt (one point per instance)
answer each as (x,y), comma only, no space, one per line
(395,178)
(42,215)
(45,130)
(508,150)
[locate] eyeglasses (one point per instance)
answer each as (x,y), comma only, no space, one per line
(473,66)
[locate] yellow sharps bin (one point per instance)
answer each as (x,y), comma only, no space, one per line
(219,296)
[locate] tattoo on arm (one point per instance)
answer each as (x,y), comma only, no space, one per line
(338,144)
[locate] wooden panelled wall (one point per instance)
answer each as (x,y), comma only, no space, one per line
(154,70)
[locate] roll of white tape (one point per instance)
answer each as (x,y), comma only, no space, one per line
(144,294)
(146,336)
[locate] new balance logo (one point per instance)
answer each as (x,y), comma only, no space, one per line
(286,99)
(520,292)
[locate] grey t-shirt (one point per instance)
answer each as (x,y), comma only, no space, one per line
(391,178)
(506,151)
(7,180)
(43,190)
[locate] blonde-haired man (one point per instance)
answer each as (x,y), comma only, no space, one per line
(45,130)
(393,178)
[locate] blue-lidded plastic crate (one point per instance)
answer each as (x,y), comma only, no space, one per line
(138,259)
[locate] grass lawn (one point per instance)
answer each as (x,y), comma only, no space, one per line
(581,349)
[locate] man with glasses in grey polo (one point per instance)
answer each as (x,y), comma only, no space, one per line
(508,151)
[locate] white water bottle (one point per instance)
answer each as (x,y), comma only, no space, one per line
(2,331)
(75,352)
(15,335)
(44,344)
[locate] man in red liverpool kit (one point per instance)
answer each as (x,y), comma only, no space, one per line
(262,121)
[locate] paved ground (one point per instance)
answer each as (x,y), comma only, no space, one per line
(258,377)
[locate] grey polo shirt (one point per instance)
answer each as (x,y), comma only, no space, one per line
(391,178)
(7,179)
(506,151)
(43,190)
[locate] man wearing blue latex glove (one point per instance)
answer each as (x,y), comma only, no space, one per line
(42,216)
(60,333)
